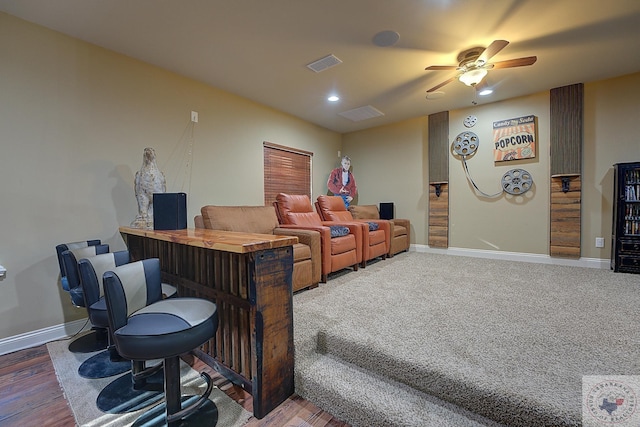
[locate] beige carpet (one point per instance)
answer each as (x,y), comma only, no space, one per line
(509,341)
(81,393)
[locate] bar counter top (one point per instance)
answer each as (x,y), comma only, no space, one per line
(228,241)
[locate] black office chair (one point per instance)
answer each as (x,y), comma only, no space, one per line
(97,339)
(141,386)
(147,327)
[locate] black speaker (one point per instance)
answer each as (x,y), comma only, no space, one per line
(386,210)
(169,211)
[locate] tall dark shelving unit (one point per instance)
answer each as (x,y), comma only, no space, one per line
(625,244)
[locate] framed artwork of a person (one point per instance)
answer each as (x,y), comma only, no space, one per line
(342,183)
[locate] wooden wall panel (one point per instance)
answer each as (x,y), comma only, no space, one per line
(565,217)
(566,129)
(439,177)
(566,140)
(439,216)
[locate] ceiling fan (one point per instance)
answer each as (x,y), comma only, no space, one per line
(474,64)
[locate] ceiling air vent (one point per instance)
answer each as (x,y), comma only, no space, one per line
(362,113)
(324,63)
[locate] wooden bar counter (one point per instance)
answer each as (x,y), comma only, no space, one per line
(248,276)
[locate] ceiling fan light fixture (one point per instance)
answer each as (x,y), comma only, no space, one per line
(473,77)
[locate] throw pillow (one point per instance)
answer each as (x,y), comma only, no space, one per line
(339,230)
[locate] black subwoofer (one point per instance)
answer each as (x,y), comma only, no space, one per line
(169,211)
(386,210)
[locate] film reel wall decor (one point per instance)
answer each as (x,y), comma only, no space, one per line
(465,144)
(515,181)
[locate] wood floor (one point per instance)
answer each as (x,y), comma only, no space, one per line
(30,395)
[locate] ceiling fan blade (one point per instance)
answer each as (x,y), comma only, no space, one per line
(441,67)
(446,82)
(518,62)
(495,47)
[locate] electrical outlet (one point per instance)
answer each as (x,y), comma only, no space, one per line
(599,242)
(194,116)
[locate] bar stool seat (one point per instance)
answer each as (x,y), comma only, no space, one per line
(142,384)
(96,340)
(147,327)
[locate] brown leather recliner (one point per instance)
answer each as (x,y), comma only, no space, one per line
(375,242)
(307,263)
(400,228)
(296,211)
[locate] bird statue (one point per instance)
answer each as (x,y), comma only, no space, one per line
(149,179)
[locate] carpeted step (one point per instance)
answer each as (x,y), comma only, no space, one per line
(489,398)
(511,341)
(364,399)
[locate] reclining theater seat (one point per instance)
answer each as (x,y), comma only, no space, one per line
(376,236)
(339,252)
(307,267)
(400,228)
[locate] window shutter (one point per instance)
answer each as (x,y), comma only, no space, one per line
(286,170)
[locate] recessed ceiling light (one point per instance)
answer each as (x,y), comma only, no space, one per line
(333,98)
(485,92)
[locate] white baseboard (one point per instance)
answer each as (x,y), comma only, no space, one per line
(41,336)
(515,256)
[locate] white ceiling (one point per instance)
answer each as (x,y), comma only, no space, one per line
(259,49)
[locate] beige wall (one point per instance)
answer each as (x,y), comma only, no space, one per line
(74,120)
(612,116)
(506,223)
(389,164)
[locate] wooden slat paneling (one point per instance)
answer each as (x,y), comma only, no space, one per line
(566,129)
(439,147)
(566,135)
(439,216)
(565,218)
(249,279)
(439,173)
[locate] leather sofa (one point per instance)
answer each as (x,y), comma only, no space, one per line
(400,228)
(307,268)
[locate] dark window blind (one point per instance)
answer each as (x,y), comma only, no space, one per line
(286,170)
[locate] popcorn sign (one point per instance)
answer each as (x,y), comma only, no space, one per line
(514,139)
